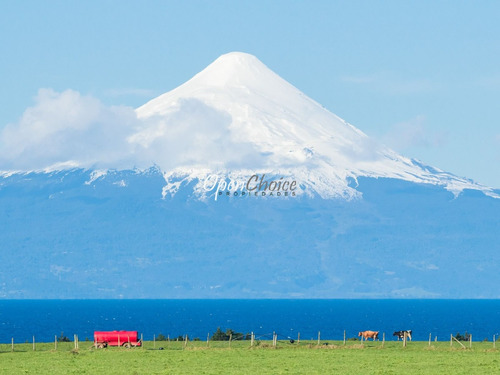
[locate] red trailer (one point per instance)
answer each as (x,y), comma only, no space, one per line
(116,338)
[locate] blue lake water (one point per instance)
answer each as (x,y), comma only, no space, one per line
(22,319)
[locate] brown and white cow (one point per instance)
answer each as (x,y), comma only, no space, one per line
(369,335)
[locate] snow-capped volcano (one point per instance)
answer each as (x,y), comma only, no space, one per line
(97,226)
(237,117)
(234,119)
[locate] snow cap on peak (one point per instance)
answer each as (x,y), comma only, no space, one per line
(235,69)
(236,57)
(233,79)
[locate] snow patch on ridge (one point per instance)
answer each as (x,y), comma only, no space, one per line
(95,175)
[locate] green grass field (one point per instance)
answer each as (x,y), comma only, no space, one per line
(286,358)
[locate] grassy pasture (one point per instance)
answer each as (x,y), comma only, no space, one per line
(219,358)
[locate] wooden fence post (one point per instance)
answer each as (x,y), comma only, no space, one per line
(12,347)
(55,342)
(208,339)
(344,337)
(251,340)
(142,341)
(154,341)
(430,334)
(319,336)
(494,342)
(298,338)
(383,339)
(230,339)
(185,341)
(34,343)
(453,338)
(405,334)
(470,341)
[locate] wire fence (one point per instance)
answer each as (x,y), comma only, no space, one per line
(239,340)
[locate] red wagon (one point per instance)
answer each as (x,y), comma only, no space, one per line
(116,338)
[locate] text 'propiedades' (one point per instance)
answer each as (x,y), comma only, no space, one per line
(257,185)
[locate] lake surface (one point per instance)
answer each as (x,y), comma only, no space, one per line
(22,319)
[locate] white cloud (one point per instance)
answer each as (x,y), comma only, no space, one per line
(67,129)
(190,134)
(413,133)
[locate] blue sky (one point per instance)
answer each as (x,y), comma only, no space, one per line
(421,76)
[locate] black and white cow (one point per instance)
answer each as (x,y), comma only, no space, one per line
(401,334)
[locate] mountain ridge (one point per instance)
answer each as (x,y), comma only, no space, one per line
(79,234)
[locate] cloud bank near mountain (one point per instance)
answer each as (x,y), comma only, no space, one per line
(68,129)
